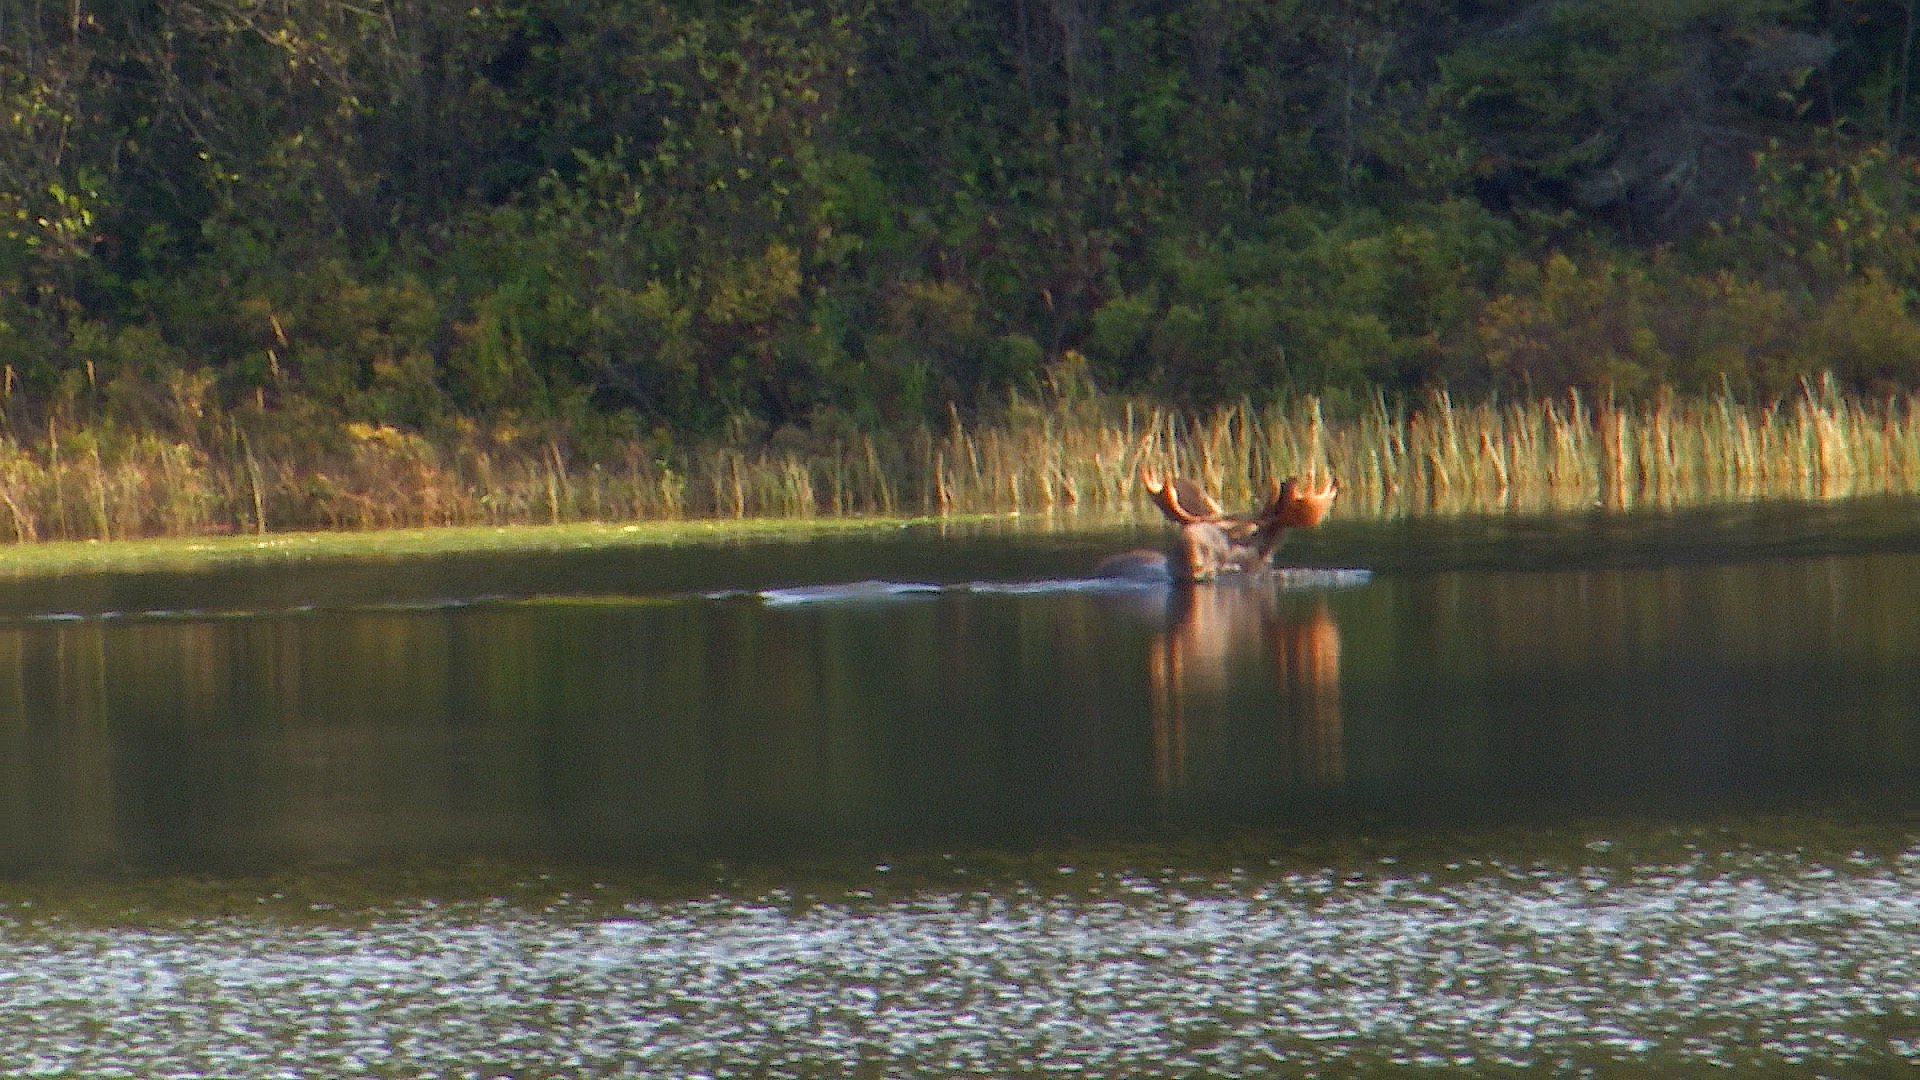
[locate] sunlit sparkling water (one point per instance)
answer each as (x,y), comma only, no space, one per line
(1759,964)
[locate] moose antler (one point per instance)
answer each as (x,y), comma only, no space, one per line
(1213,541)
(1296,506)
(1291,505)
(1180,499)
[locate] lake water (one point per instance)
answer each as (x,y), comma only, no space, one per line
(1602,793)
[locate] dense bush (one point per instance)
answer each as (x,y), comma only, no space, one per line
(609,220)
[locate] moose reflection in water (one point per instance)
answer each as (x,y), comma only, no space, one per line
(1210,630)
(1216,633)
(1213,542)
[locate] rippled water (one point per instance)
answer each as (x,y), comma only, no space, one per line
(1753,962)
(1592,795)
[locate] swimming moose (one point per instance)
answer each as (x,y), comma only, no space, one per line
(1213,542)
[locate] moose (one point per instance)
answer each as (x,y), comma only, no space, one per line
(1214,542)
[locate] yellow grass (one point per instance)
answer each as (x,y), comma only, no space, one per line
(1068,457)
(1441,457)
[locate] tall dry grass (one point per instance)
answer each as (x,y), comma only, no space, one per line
(1443,457)
(1084,455)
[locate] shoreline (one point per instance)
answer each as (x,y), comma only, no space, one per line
(1058,459)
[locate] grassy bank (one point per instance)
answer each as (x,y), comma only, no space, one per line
(1066,456)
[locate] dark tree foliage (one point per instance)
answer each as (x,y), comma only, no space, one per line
(674,217)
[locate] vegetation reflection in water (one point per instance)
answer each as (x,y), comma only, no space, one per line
(1014,825)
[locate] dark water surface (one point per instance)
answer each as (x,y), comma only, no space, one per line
(1601,794)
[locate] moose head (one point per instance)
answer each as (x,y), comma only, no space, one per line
(1213,542)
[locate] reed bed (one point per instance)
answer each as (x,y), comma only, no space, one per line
(1434,456)
(1441,457)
